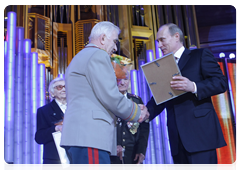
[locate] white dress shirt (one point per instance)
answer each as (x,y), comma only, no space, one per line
(178,55)
(63,107)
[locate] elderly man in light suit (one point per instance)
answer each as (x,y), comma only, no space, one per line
(89,133)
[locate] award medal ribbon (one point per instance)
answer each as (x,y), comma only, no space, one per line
(133,127)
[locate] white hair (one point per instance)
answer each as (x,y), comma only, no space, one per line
(51,88)
(104,27)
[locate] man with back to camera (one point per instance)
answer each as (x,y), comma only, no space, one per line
(132,138)
(193,126)
(89,133)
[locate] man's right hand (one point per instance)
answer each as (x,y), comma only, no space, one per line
(144,113)
(120,151)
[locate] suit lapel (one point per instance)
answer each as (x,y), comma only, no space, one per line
(56,108)
(184,59)
(130,97)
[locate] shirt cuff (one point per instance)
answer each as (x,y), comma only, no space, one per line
(195,88)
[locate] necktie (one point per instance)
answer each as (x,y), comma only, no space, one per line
(176,59)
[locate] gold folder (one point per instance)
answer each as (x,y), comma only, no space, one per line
(158,74)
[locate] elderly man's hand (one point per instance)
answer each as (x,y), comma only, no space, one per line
(120,151)
(58,128)
(140,157)
(182,83)
(144,113)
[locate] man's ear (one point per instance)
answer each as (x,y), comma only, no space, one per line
(102,39)
(177,36)
(51,94)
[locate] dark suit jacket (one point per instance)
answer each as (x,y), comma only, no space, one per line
(133,143)
(193,117)
(47,116)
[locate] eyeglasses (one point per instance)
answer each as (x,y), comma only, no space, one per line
(59,87)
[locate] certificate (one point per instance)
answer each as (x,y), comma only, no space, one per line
(158,74)
(61,151)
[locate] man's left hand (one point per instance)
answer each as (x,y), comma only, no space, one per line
(140,157)
(182,83)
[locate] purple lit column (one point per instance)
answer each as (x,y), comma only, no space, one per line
(34,106)
(151,142)
(42,100)
(134,82)
(159,137)
(150,58)
(18,96)
(5,73)
(158,51)
(150,153)
(9,103)
(61,76)
(143,88)
(5,65)
(164,133)
(26,101)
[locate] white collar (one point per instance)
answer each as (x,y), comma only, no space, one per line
(59,103)
(91,44)
(179,52)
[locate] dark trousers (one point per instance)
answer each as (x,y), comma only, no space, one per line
(51,161)
(86,155)
(203,157)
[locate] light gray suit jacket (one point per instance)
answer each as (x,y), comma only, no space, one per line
(93,98)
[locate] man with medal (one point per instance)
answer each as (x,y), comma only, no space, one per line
(132,138)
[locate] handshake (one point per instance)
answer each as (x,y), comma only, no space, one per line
(144,113)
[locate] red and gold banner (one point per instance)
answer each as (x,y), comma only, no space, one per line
(222,105)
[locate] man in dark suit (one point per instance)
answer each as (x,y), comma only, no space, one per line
(49,118)
(132,138)
(193,126)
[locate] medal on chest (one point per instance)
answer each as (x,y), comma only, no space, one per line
(133,127)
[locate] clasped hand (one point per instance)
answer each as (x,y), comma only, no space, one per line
(144,113)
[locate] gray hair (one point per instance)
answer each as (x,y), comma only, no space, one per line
(104,27)
(51,88)
(173,28)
